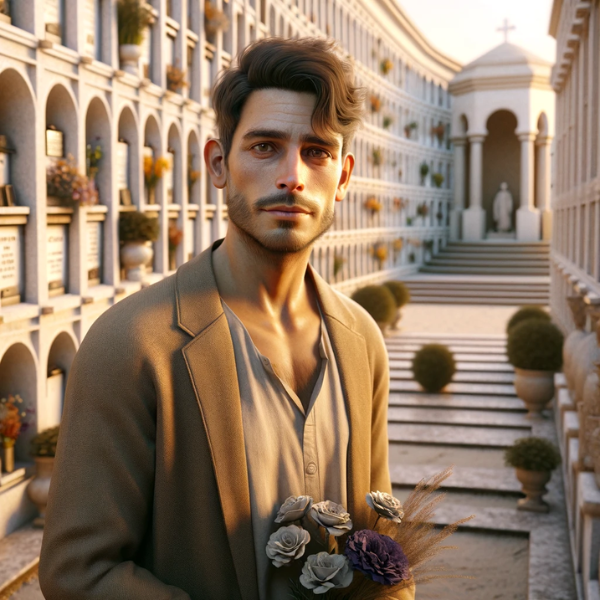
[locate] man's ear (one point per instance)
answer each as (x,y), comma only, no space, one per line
(214,157)
(344,181)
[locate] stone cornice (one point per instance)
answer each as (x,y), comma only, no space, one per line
(507,82)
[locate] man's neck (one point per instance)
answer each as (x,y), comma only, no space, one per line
(272,283)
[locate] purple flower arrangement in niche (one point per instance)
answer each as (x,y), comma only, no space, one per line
(384,562)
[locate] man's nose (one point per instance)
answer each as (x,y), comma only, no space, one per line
(291,177)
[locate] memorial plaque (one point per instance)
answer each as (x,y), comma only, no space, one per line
(56,258)
(148,152)
(122,165)
(11,264)
(53,16)
(55,146)
(94,251)
(169,176)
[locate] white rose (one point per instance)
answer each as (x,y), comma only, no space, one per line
(287,544)
(386,506)
(323,572)
(333,517)
(293,509)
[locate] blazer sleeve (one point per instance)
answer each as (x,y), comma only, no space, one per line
(380,472)
(99,511)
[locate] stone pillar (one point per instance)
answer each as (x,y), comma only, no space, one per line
(473,218)
(458,204)
(528,217)
(543,185)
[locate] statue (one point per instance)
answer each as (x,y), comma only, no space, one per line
(503,208)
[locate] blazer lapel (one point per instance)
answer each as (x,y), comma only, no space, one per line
(211,366)
(353,364)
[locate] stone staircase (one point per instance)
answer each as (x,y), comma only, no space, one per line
(504,273)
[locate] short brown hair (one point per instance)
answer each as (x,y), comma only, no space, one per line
(299,65)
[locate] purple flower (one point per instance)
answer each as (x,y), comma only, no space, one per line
(378,557)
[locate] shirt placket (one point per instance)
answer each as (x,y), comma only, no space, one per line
(312,486)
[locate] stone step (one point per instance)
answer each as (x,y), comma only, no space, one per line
(454,435)
(498,245)
(458,356)
(508,291)
(19,556)
(459,376)
(517,256)
(462,478)
(457,401)
(466,417)
(479,261)
(456,347)
(508,301)
(492,389)
(487,270)
(462,366)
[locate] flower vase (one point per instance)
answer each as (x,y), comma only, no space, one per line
(39,486)
(533,484)
(8,455)
(135,256)
(130,58)
(172,260)
(152,195)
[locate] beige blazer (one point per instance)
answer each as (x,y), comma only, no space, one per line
(149,497)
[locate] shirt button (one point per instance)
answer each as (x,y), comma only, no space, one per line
(311,468)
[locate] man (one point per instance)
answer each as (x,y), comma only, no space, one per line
(197,406)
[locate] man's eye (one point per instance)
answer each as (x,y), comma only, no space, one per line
(264,147)
(318,153)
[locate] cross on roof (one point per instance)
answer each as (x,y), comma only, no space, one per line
(506,28)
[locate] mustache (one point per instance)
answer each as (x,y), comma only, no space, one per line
(286,199)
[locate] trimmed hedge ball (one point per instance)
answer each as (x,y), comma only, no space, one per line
(535,345)
(532,454)
(525,313)
(400,292)
(378,301)
(433,367)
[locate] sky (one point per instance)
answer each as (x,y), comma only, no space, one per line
(466,29)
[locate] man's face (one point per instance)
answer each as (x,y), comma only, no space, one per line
(282,179)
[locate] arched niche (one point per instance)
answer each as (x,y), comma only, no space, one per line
(128,132)
(194,164)
(174,148)
(501,161)
(61,113)
(17,122)
(18,375)
(97,128)
(61,355)
(152,147)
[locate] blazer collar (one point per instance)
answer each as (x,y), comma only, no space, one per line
(211,366)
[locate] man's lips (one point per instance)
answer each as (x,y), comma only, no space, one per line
(286,210)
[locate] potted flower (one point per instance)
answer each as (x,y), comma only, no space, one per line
(375,103)
(423,171)
(439,132)
(373,205)
(175,78)
(193,175)
(533,459)
(409,221)
(133,18)
(433,367)
(422,210)
(380,253)
(215,20)
(379,302)
(534,348)
(175,237)
(66,186)
(13,422)
(400,292)
(153,173)
(412,257)
(377,157)
(93,157)
(386,66)
(387,121)
(438,179)
(409,128)
(43,450)
(136,232)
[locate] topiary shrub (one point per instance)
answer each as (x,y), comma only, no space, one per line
(400,292)
(44,443)
(378,301)
(135,226)
(433,367)
(525,313)
(532,454)
(535,345)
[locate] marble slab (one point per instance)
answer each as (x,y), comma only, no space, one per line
(451,401)
(459,417)
(19,554)
(457,388)
(462,376)
(453,435)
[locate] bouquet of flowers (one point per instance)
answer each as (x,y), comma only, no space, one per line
(13,420)
(381,563)
(154,170)
(64,181)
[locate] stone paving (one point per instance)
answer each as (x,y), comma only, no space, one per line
(512,554)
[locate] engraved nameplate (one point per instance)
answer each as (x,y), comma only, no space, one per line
(54,143)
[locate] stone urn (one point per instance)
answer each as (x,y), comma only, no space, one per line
(572,341)
(587,356)
(135,256)
(39,486)
(533,484)
(130,58)
(536,389)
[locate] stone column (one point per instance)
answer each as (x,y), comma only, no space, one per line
(473,220)
(458,204)
(528,217)
(543,185)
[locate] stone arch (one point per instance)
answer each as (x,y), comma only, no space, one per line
(501,160)
(17,122)
(194,164)
(152,134)
(18,375)
(97,124)
(174,145)
(61,112)
(60,358)
(128,131)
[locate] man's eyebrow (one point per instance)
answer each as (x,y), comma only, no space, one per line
(315,139)
(274,134)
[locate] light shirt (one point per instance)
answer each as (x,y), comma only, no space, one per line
(289,451)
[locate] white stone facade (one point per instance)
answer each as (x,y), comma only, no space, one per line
(60,67)
(503,116)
